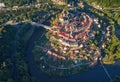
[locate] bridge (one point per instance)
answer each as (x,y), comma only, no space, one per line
(32,23)
(42,25)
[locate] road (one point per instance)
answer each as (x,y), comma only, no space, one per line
(40,25)
(97,74)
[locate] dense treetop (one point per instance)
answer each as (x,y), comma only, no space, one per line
(16,2)
(20,2)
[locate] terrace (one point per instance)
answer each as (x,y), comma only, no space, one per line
(71,40)
(72,30)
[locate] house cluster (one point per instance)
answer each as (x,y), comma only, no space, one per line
(71,28)
(72,32)
(2,5)
(36,5)
(108,33)
(80,4)
(96,6)
(55,55)
(60,2)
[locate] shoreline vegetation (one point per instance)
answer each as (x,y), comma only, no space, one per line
(16,31)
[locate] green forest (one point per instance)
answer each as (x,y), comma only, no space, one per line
(17,2)
(13,66)
(14,39)
(10,3)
